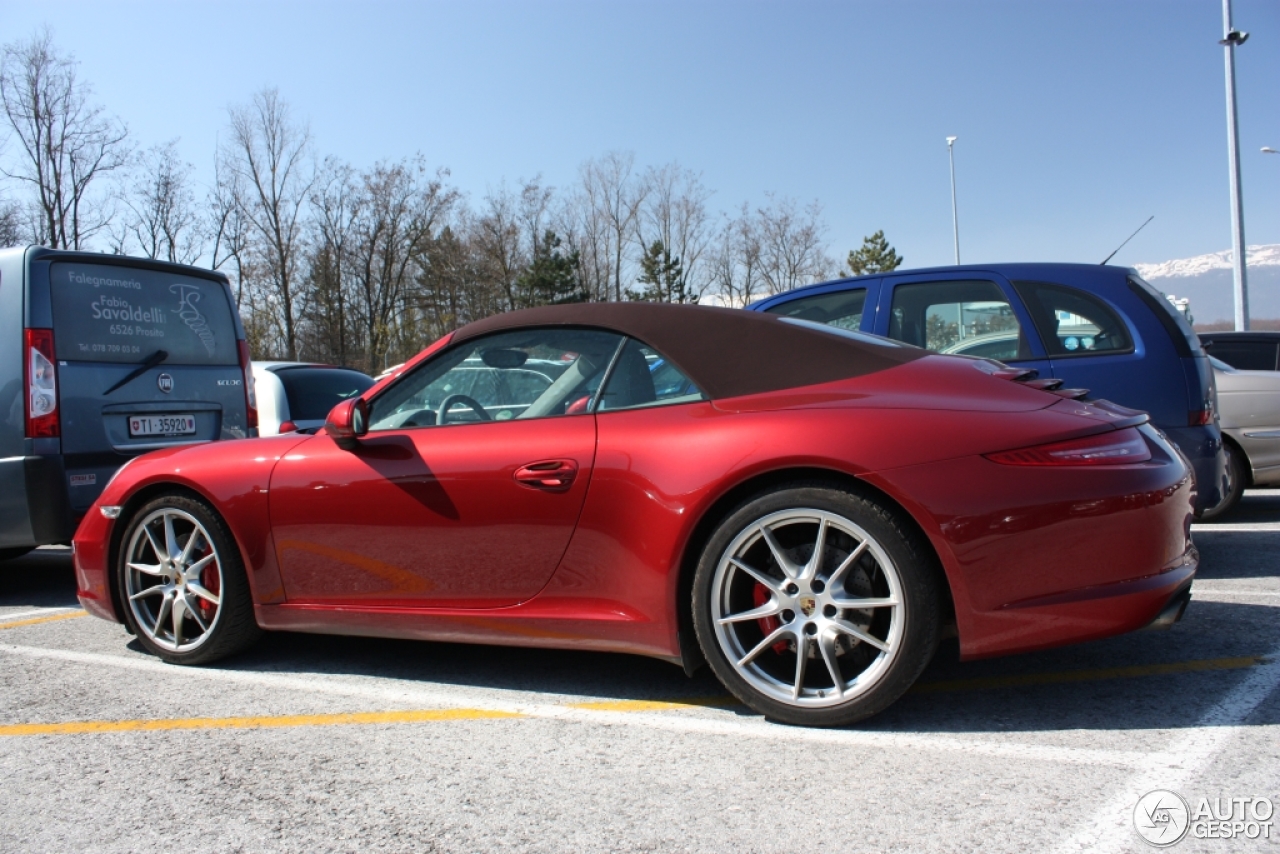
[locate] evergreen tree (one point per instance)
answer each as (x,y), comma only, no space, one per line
(663,277)
(552,277)
(875,256)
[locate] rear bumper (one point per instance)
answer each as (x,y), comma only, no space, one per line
(1041,557)
(35,509)
(1202,447)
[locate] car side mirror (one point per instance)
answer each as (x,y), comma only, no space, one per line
(347,422)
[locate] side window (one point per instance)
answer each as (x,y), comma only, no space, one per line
(1244,355)
(843,309)
(969,318)
(530,373)
(642,377)
(1072,322)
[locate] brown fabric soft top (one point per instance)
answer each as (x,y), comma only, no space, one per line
(727,352)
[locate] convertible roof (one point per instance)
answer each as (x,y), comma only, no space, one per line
(727,352)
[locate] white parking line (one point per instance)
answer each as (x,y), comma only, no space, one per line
(408,696)
(1235,526)
(1111,828)
(38,612)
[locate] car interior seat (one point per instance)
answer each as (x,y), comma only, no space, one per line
(631,383)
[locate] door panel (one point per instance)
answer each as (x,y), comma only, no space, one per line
(429,516)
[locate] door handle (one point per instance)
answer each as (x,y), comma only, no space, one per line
(548,475)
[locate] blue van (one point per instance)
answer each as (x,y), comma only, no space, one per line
(103,358)
(1092,326)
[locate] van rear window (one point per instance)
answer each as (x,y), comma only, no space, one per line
(110,313)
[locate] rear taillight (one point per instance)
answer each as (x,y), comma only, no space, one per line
(1107,449)
(42,384)
(1203,416)
(250,393)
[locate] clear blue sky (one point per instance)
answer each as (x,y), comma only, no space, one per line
(1076,119)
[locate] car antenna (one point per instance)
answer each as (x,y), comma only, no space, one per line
(1127,239)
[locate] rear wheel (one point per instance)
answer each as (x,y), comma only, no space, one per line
(816,606)
(186,594)
(1237,478)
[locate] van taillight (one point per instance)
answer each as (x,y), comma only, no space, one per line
(42,385)
(250,393)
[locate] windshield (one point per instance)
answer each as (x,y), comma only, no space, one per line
(110,313)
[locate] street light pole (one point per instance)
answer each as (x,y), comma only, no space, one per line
(955,220)
(1230,40)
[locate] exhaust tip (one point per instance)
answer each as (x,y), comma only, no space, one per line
(1172,612)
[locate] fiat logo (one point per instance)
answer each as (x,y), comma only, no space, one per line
(165,382)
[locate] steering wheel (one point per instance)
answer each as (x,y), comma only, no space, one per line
(442,414)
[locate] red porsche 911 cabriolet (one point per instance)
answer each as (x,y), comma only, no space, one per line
(806,508)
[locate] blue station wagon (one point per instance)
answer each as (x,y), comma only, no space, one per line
(1092,326)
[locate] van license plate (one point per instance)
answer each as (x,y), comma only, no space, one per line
(161,425)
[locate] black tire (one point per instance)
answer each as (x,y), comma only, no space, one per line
(206,563)
(15,553)
(879,559)
(1237,479)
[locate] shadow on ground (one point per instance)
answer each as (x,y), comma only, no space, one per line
(1211,631)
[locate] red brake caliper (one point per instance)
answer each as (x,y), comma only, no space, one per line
(210,580)
(768,625)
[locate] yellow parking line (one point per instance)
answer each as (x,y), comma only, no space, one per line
(255,722)
(655,705)
(17,624)
(1088,675)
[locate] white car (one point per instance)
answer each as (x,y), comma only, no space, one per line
(299,395)
(1249,413)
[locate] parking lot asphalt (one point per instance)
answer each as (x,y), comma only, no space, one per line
(311,743)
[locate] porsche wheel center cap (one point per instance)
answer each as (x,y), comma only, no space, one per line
(808,605)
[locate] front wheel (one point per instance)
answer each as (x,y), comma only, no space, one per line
(815,606)
(186,595)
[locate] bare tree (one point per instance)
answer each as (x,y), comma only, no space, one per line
(268,158)
(65,142)
(400,210)
(162,219)
(675,213)
(450,291)
(496,242)
(226,225)
(11,229)
(336,201)
(613,195)
(735,260)
(791,249)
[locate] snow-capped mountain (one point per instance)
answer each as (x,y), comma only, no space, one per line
(1206,280)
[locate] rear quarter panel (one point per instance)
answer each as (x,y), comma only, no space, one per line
(660,472)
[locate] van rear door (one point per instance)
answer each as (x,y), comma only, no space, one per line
(147,359)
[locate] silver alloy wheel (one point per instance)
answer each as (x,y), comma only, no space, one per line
(808,607)
(173,580)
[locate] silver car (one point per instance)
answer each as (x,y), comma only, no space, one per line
(1249,408)
(298,395)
